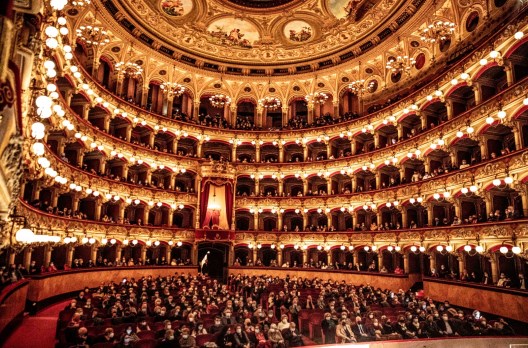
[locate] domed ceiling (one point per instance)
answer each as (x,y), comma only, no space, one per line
(263,33)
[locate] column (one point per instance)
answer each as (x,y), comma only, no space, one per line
(69,254)
(119,86)
(305,187)
(233,152)
(233,115)
(329,185)
(151,140)
(353,146)
(173,181)
(430,215)
(285,120)
(524,199)
(254,253)
(281,153)
(494,268)
(256,221)
(406,263)
(175,145)
(128,134)
(146,215)
(231,260)
(257,152)
(144,96)
(107,123)
(27,257)
(199,149)
(281,187)
(194,254)
(329,218)
(427,164)
(119,252)
(449,107)
(380,260)
(93,253)
(516,129)
(510,78)
(86,111)
(432,262)
(328,150)
(168,251)
(305,220)
(378,179)
(143,253)
(196,109)
(478,92)
(260,114)
(310,112)
(68,96)
(102,165)
(279,256)
(330,258)
(461,263)
(148,177)
(458,208)
(453,157)
(171,212)
(170,100)
(98,208)
(335,103)
(305,152)
(376,139)
(125,170)
(400,130)
(354,182)
(483,142)
(305,256)
(47,254)
(257,186)
(404,217)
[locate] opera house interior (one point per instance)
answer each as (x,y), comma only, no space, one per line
(263,173)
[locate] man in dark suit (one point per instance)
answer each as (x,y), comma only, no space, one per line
(361,332)
(292,336)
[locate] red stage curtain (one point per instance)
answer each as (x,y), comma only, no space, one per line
(229,204)
(204,201)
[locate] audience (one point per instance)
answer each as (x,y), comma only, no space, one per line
(129,310)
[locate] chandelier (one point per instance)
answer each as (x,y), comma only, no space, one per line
(129,69)
(93,35)
(172,89)
(270,103)
(316,98)
(401,64)
(81,3)
(219,100)
(438,31)
(359,87)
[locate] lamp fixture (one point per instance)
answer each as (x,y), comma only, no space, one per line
(316,98)
(361,86)
(129,69)
(438,31)
(270,103)
(93,35)
(402,62)
(218,101)
(172,89)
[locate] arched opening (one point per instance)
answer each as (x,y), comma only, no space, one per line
(217,256)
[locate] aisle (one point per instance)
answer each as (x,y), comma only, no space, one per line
(37,331)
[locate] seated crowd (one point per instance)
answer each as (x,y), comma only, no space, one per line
(260,311)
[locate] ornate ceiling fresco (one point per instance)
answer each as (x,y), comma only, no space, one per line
(262,32)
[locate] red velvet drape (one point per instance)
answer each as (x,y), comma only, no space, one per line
(229,204)
(204,201)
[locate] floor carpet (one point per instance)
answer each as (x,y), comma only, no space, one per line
(37,331)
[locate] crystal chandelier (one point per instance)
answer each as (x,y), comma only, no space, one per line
(219,100)
(438,31)
(316,98)
(81,3)
(93,35)
(361,86)
(402,63)
(129,69)
(172,89)
(270,103)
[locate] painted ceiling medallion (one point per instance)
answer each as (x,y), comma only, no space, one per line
(260,3)
(298,31)
(176,8)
